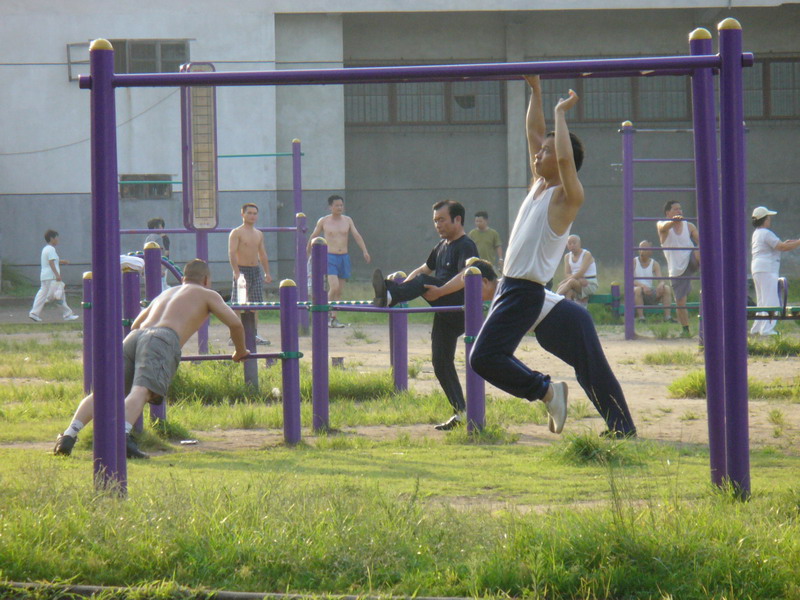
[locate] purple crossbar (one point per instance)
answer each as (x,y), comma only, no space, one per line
(473,319)
(319,336)
(417,73)
(291,366)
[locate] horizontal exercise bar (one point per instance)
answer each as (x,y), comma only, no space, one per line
(660,248)
(194,357)
(663,160)
(660,189)
(130,181)
(270,154)
(689,305)
(216,230)
(665,278)
(394,309)
(662,219)
(415,73)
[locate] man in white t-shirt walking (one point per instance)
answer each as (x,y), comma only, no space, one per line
(50,276)
(677,232)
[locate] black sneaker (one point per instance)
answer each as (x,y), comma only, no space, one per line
(379,286)
(451,423)
(132,449)
(64,445)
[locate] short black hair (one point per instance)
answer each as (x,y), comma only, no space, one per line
(668,205)
(50,234)
(155,222)
(485,267)
(334,198)
(577,148)
(759,222)
(247,205)
(482,213)
(454,209)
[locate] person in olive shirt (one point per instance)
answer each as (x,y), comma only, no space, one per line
(438,281)
(490,248)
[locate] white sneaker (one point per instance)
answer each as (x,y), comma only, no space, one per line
(334,323)
(557,407)
(34,317)
(71,318)
(262,342)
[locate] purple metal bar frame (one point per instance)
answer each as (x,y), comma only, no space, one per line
(596,67)
(109,471)
(152,288)
(130,310)
(87,332)
(734,223)
(300,259)
(398,326)
(291,366)
(473,319)
(627,225)
(319,336)
(708,220)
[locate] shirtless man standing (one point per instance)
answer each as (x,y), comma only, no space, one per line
(245,250)
(152,350)
(336,229)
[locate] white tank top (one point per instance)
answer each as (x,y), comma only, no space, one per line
(677,260)
(534,249)
(575,265)
(550,300)
(643,275)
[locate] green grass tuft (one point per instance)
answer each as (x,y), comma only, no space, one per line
(664,357)
(776,345)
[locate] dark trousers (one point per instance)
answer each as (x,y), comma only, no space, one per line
(447,327)
(515,308)
(568,332)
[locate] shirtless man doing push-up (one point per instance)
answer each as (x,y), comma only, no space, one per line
(152,350)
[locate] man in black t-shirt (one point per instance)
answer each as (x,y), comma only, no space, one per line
(437,280)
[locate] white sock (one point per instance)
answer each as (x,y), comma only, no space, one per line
(388,297)
(128,428)
(74,428)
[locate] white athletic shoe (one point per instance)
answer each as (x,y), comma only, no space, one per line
(557,407)
(34,317)
(71,318)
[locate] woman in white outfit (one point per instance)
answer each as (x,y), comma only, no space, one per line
(765,265)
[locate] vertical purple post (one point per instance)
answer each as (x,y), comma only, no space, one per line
(201,249)
(615,298)
(399,341)
(734,232)
(107,289)
(87,332)
(152,288)
(473,319)
(300,269)
(319,335)
(290,348)
(250,365)
(708,220)
(130,310)
(300,235)
(627,226)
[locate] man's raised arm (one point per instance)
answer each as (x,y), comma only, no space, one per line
(534,122)
(568,172)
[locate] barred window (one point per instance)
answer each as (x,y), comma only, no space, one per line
(752,80)
(367,103)
(420,102)
(149,56)
(784,88)
(663,98)
(477,102)
(145,187)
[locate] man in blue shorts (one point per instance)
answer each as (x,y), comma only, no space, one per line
(336,228)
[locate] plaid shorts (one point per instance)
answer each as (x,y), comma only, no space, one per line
(255,284)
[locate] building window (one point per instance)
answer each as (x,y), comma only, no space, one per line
(145,187)
(149,56)
(784,88)
(425,103)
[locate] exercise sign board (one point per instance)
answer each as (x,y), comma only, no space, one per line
(199,127)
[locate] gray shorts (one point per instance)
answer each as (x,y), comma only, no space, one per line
(682,287)
(151,356)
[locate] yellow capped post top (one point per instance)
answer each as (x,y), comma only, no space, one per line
(87,274)
(729,23)
(319,241)
(151,246)
(701,33)
(473,271)
(471,261)
(397,274)
(627,124)
(288,283)
(100,44)
(295,141)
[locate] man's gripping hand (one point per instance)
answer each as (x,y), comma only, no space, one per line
(239,356)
